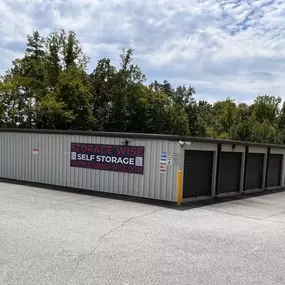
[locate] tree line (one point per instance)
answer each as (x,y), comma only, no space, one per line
(50,88)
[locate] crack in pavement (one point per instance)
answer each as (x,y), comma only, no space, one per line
(84,256)
(127,221)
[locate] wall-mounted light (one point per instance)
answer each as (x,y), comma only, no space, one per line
(126,142)
(183,143)
(233,146)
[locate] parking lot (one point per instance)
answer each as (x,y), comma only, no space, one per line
(55,237)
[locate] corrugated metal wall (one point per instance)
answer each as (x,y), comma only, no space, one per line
(52,165)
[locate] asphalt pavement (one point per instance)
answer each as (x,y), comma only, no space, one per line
(51,237)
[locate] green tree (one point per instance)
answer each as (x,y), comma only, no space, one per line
(265,113)
(102,82)
(10,106)
(242,129)
(177,121)
(124,82)
(49,87)
(74,92)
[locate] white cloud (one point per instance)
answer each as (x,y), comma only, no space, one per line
(221,47)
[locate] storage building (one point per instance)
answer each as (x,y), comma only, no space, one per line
(141,165)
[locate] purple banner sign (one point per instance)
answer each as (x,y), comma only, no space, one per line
(117,158)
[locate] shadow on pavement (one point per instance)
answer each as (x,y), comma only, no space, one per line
(171,205)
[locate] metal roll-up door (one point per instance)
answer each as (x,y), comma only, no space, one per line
(274,170)
(197,178)
(229,172)
(254,171)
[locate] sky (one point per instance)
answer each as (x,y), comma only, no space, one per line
(223,48)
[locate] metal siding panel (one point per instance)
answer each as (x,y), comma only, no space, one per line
(171,173)
(47,160)
(147,170)
(59,161)
(42,153)
(65,155)
(3,153)
(155,174)
(41,164)
(161,177)
(88,173)
(152,171)
(202,146)
(229,172)
(277,151)
(141,178)
(7,154)
(13,158)
(52,165)
(165,187)
(18,152)
(2,144)
(52,160)
(36,158)
(27,144)
(160,148)
(20,158)
(33,158)
(256,149)
(56,161)
(30,158)
(10,158)
(229,148)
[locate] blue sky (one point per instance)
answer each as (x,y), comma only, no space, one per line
(224,48)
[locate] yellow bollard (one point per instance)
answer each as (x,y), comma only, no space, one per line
(179,187)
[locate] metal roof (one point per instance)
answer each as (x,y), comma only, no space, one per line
(138,136)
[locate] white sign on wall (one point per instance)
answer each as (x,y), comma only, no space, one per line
(35,151)
(169,161)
